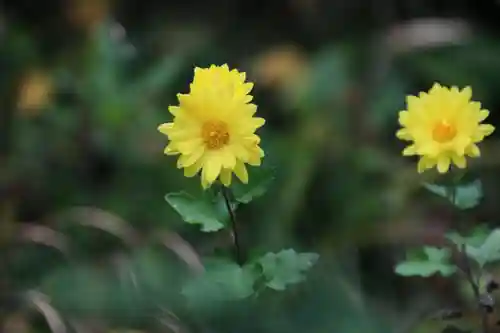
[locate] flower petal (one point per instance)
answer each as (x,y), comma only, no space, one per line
(190,159)
(410,150)
(225,177)
(425,163)
(473,150)
(403,134)
(443,164)
(483,114)
(211,168)
(241,172)
(486,129)
(460,161)
(193,169)
(170,149)
(165,128)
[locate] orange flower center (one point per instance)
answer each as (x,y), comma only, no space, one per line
(443,131)
(215,134)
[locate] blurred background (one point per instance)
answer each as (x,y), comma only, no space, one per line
(88,243)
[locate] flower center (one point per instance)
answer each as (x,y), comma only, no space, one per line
(443,131)
(215,134)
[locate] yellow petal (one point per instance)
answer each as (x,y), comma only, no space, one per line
(436,87)
(412,102)
(254,160)
(403,134)
(467,93)
(410,150)
(190,159)
(486,129)
(443,164)
(189,146)
(192,170)
(227,158)
(403,118)
(165,128)
(473,150)
(483,114)
(170,149)
(204,183)
(226,176)
(459,161)
(175,110)
(211,168)
(425,163)
(241,172)
(247,99)
(257,122)
(247,87)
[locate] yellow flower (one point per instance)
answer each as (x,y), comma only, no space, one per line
(444,126)
(213,129)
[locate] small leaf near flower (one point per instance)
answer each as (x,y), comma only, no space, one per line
(195,211)
(466,196)
(261,179)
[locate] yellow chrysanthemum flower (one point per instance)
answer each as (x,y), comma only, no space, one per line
(213,129)
(445,126)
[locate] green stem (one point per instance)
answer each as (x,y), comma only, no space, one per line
(467,270)
(234,225)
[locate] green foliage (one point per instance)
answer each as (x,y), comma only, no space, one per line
(466,196)
(260,180)
(222,281)
(435,261)
(225,281)
(195,211)
(286,267)
(484,248)
(475,238)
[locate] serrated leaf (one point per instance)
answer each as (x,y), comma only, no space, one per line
(475,239)
(221,282)
(466,196)
(490,250)
(424,268)
(195,211)
(260,179)
(435,254)
(436,262)
(286,267)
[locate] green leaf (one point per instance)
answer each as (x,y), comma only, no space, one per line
(469,195)
(442,191)
(424,268)
(221,282)
(482,245)
(195,211)
(259,181)
(286,267)
(490,250)
(436,262)
(475,239)
(435,254)
(466,196)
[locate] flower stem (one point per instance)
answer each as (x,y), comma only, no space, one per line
(234,225)
(475,288)
(466,269)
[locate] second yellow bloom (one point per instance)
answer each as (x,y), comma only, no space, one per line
(444,126)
